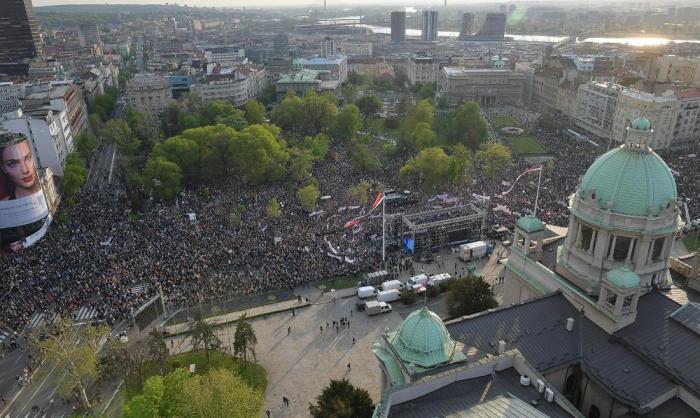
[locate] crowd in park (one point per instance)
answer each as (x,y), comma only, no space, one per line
(235,206)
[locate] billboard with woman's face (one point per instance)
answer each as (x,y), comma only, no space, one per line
(24,215)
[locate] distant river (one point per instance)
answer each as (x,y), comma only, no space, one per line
(632,40)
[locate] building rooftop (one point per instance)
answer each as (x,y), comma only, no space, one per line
(305,75)
(637,364)
(486,396)
(330,60)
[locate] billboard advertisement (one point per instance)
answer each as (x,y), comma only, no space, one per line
(24,214)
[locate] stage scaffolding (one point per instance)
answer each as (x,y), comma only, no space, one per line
(439,228)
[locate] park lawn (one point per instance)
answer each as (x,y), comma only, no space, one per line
(503,121)
(345,282)
(692,243)
(525,145)
(252,373)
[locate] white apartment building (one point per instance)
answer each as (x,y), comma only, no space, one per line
(661,111)
(224,55)
(356,49)
(223,84)
(257,79)
(422,69)
(337,65)
(47,130)
(686,130)
(595,109)
(149,94)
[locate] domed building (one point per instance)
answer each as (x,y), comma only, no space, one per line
(590,316)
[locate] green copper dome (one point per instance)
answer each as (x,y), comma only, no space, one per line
(641,124)
(629,182)
(623,278)
(423,340)
(530,223)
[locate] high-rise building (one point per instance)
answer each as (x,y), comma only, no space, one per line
(90,34)
(595,109)
(280,45)
(327,47)
(430,25)
(661,111)
(398,26)
(19,36)
(467,25)
(494,28)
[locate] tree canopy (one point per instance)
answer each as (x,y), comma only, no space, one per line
(492,156)
(429,169)
(369,104)
(340,399)
(469,295)
(347,123)
(466,126)
(308,195)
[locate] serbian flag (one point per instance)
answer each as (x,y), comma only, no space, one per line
(378,200)
(352,224)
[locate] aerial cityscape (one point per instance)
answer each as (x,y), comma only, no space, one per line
(349,209)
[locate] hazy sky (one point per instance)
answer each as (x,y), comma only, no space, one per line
(254,4)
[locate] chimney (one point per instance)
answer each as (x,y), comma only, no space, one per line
(569,324)
(501,346)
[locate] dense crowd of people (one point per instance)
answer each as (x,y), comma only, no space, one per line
(102,252)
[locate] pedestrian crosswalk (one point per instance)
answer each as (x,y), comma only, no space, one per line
(5,334)
(40,319)
(84,314)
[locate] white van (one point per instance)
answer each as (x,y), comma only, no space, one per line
(366,292)
(392,284)
(388,295)
(420,279)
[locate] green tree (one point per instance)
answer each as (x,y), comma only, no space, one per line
(85,144)
(173,383)
(492,156)
(184,152)
(244,339)
(289,114)
(96,123)
(423,136)
(467,126)
(73,351)
(117,131)
(300,163)
(429,169)
(462,165)
(162,178)
(219,393)
(340,399)
(308,195)
(273,208)
(469,295)
(347,123)
(426,91)
(363,160)
(369,104)
(269,95)
(255,112)
(203,336)
(423,111)
(74,175)
(317,145)
(442,103)
(319,112)
(147,404)
(215,150)
(137,123)
(259,154)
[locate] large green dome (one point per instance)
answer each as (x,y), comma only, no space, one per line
(629,182)
(423,340)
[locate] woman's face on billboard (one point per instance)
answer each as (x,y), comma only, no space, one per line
(17,163)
